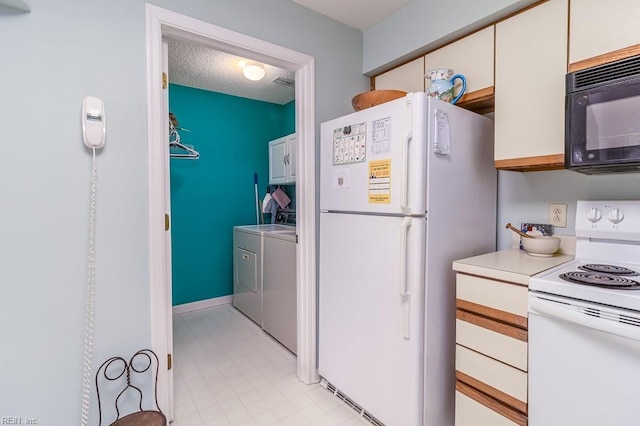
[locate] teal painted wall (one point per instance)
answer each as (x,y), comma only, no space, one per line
(214,193)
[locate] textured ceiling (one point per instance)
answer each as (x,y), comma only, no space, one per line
(195,65)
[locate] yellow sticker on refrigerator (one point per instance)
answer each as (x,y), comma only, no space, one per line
(380,182)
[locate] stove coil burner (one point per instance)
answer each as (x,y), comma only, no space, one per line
(608,269)
(600,280)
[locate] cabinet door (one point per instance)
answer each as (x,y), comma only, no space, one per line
(277,166)
(471,56)
(597,29)
(531,63)
(292,145)
(408,77)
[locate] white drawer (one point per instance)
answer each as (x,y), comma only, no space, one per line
(499,295)
(504,348)
(498,375)
(471,413)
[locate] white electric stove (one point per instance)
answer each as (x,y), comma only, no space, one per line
(584,324)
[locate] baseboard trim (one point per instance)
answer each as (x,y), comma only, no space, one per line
(202,304)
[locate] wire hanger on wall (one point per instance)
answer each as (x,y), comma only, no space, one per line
(174,142)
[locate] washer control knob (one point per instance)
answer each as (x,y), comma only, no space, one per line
(615,215)
(594,215)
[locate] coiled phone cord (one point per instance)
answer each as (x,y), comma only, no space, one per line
(90,298)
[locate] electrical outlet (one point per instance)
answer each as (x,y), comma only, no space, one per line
(558,215)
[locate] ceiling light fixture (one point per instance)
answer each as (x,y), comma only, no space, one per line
(253,71)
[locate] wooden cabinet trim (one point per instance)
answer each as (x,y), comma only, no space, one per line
(489,324)
(605,58)
(539,163)
(492,404)
(480,101)
(496,314)
(505,398)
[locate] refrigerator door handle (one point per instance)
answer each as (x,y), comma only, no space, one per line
(407,318)
(404,294)
(405,176)
(406,224)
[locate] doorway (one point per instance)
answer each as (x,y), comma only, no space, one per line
(164,23)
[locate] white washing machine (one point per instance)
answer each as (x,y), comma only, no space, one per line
(279,288)
(248,255)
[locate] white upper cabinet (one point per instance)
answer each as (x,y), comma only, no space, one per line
(292,145)
(599,28)
(531,63)
(471,56)
(408,77)
(282,160)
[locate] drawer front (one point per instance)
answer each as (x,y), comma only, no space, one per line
(497,345)
(470,412)
(503,382)
(497,295)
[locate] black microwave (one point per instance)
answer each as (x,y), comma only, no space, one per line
(602,118)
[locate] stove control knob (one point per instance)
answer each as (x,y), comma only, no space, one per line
(594,215)
(616,215)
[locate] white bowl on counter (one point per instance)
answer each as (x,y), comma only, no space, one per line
(541,246)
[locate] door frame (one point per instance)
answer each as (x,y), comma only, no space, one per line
(162,22)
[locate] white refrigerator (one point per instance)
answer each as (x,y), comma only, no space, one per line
(406,188)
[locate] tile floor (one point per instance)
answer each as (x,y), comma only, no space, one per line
(228,371)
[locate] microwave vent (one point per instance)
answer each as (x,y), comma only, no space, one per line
(607,169)
(621,70)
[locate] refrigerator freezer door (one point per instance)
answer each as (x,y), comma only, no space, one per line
(374,160)
(370,335)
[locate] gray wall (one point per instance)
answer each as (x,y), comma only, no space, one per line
(525,197)
(423,25)
(51,58)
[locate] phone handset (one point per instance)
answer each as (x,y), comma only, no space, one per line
(94,124)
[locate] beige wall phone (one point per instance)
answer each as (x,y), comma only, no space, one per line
(94,125)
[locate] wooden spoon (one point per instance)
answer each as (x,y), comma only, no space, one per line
(517,231)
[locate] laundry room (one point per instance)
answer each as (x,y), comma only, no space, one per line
(219,167)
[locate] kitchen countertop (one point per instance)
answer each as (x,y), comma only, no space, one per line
(509,265)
